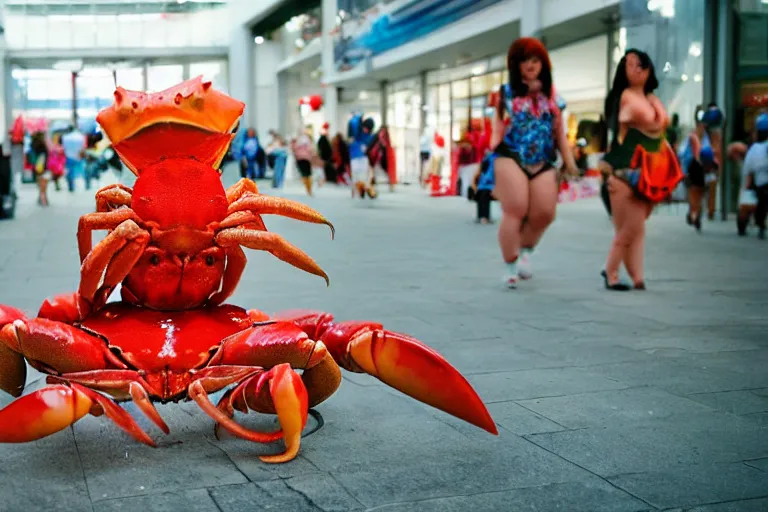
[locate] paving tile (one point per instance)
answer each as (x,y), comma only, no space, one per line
(756,505)
(716,438)
(50,465)
(197,500)
(274,495)
(117,466)
(737,402)
(519,385)
(521,421)
(593,496)
(634,406)
(689,485)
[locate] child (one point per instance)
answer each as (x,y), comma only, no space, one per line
(483,185)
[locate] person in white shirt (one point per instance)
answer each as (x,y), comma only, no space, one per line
(756,171)
(73,143)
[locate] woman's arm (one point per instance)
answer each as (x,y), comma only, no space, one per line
(497,129)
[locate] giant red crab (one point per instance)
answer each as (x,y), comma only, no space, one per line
(173,243)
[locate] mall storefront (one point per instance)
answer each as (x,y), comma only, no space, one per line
(447,101)
(705,51)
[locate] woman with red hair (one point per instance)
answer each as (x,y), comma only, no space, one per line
(525,148)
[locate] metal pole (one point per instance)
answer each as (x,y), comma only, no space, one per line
(74,99)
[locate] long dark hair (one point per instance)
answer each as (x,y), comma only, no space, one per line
(621,82)
(520,51)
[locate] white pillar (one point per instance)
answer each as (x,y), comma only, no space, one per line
(266,59)
(530,18)
(5,102)
(331,97)
(241,70)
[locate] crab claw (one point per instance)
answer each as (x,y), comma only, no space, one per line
(291,403)
(407,365)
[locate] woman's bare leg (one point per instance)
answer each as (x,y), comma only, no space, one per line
(695,198)
(541,209)
(637,213)
(512,192)
(620,195)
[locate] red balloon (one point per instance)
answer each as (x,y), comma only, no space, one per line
(315,102)
(439,140)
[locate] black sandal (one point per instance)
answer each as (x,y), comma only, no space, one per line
(617,287)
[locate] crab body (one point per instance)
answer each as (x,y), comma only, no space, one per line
(174,240)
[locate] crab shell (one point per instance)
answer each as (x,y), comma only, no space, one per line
(144,127)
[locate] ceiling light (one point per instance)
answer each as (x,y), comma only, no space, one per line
(695,49)
(258,39)
(363,95)
(697,77)
(181,1)
(478,70)
(684,77)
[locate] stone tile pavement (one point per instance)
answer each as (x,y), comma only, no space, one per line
(605,402)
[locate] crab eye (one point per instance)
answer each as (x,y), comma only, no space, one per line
(154,259)
(209,260)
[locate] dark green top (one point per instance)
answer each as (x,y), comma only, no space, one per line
(620,155)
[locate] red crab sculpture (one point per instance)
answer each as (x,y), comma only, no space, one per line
(173,244)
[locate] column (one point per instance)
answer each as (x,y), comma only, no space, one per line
(424,89)
(267,57)
(241,69)
(530,18)
(331,92)
(145,76)
(5,103)
(724,94)
(384,103)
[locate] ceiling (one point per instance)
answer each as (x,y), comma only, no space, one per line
(106,7)
(488,44)
(277,18)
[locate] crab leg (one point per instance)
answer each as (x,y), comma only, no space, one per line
(91,222)
(272,243)
(264,205)
(13,369)
(290,398)
(241,188)
(398,360)
(56,407)
(117,253)
(67,308)
(113,197)
(120,384)
(236,262)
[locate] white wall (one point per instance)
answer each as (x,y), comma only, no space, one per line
(248,12)
(554,12)
(266,100)
(579,71)
(196,29)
